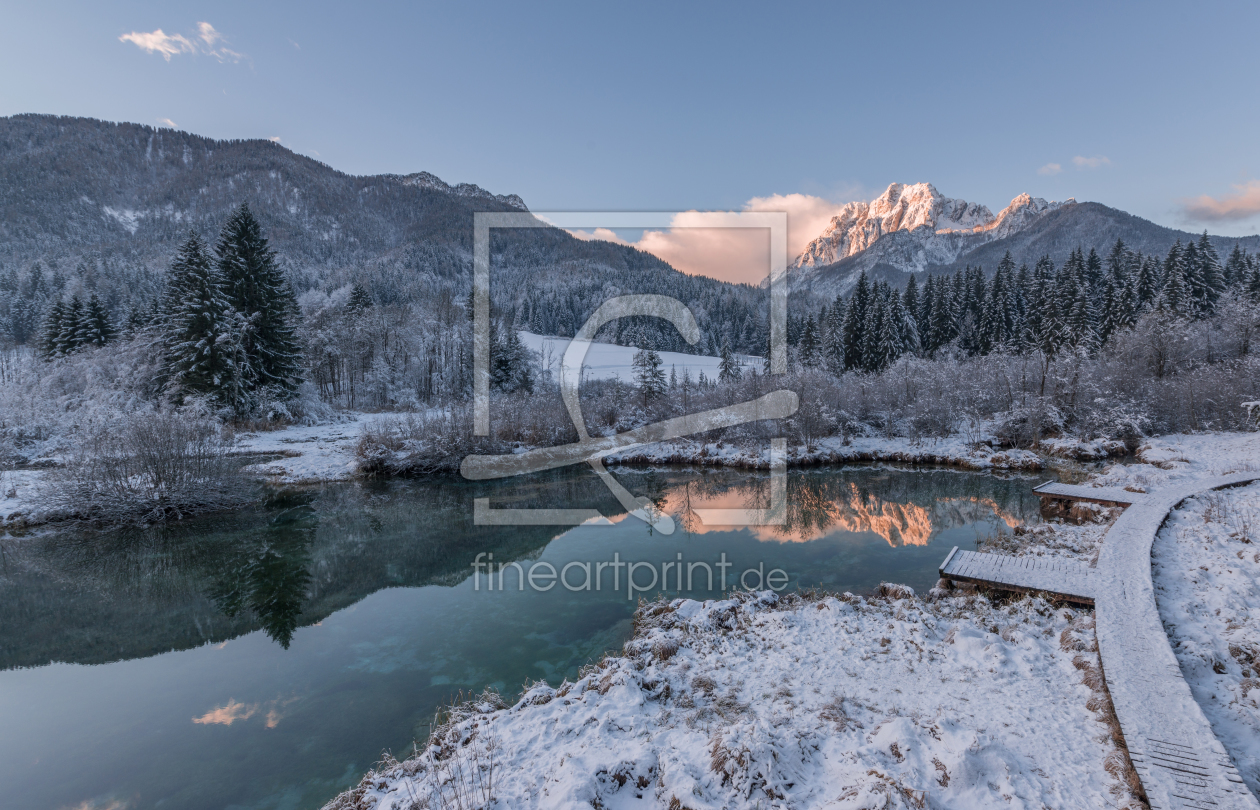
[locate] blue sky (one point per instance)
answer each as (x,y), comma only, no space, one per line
(662,107)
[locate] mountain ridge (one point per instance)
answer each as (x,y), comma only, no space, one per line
(900,233)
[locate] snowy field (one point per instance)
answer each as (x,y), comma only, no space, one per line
(946,700)
(605,361)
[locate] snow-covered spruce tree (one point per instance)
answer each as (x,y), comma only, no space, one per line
(1149,284)
(203,346)
(68,335)
(888,332)
(359,301)
(648,375)
(810,347)
(1211,277)
(907,328)
(510,361)
(95,328)
(1175,295)
(833,340)
(257,289)
(856,322)
(50,332)
(729,370)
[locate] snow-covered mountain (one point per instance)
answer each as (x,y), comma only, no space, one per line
(911,228)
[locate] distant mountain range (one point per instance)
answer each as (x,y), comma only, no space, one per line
(915,229)
(103,206)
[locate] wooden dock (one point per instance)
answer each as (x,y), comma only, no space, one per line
(1177,757)
(1106,496)
(1066,579)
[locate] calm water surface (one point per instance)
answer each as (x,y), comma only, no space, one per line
(265,659)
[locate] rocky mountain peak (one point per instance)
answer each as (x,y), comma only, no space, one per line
(426,180)
(928,224)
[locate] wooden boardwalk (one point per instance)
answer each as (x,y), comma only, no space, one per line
(1176,754)
(1066,579)
(1106,496)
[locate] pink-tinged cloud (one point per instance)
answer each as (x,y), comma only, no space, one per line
(738,255)
(1244,203)
(208,41)
(1050,168)
(159,42)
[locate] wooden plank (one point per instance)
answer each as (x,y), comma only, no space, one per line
(1066,579)
(1106,496)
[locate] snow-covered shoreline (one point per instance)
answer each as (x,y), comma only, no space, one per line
(840,702)
(327,453)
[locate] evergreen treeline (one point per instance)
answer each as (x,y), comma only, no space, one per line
(73,325)
(1076,307)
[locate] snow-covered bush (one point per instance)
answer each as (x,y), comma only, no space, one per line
(146,467)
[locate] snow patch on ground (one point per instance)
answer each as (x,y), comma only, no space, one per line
(1207,583)
(312,454)
(17,491)
(604,361)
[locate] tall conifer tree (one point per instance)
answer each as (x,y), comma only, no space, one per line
(256,288)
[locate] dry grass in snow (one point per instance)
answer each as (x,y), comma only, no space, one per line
(796,702)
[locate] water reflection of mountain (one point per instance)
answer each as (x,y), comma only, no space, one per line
(862,501)
(93,598)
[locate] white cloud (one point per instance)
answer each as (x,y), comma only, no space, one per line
(168,122)
(1050,168)
(208,34)
(1244,203)
(274,139)
(215,44)
(208,41)
(1095,162)
(739,255)
(807,216)
(159,42)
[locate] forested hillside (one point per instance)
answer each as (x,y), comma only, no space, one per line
(91,208)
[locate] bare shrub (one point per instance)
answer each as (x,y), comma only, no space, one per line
(148,467)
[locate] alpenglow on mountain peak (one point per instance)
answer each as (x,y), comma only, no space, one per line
(935,221)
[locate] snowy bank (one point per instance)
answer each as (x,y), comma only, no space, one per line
(792,702)
(954,452)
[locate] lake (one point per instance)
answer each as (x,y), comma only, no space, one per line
(266,658)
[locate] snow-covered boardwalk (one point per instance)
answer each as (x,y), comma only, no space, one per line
(1177,756)
(1069,579)
(1105,496)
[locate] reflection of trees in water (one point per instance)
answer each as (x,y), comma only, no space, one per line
(268,574)
(96,597)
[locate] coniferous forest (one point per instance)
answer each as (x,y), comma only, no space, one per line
(1099,346)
